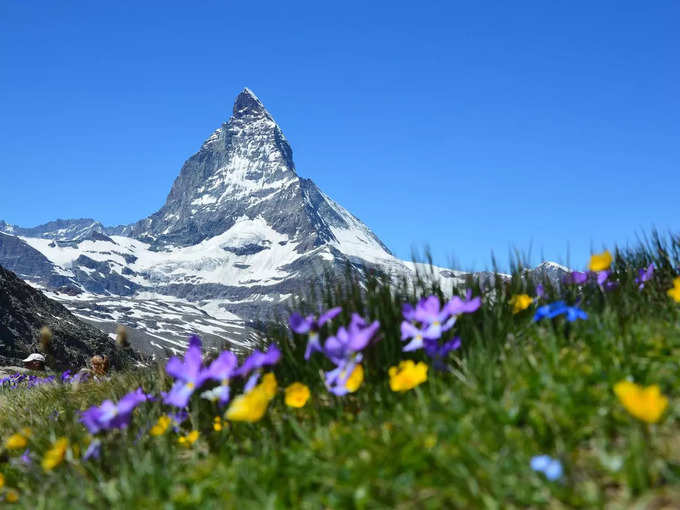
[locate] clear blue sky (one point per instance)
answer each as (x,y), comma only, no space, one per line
(470,126)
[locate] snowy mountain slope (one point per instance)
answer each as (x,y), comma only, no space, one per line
(239,233)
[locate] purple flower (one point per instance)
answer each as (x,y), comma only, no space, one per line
(559,308)
(310,325)
(458,306)
(336,379)
(255,362)
(347,342)
(644,275)
(26,457)
(189,374)
(221,371)
(576,277)
(551,468)
(540,291)
(436,351)
(94,450)
(109,416)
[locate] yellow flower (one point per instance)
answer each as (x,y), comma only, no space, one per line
(355,379)
(269,385)
(16,442)
(2,480)
(249,407)
(55,455)
(520,302)
(408,375)
(600,261)
(161,426)
(12,496)
(297,395)
(646,404)
(675,291)
(217,424)
(189,439)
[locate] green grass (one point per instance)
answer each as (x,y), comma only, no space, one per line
(463,439)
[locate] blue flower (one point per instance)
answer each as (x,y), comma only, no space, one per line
(551,468)
(559,308)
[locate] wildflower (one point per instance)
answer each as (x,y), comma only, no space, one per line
(576,277)
(297,395)
(2,480)
(646,404)
(346,378)
(256,362)
(675,291)
(221,370)
(540,291)
(16,442)
(189,374)
(348,342)
(551,468)
(189,439)
(600,261)
(438,352)
(218,425)
(559,308)
(434,318)
(249,407)
(269,385)
(94,450)
(458,306)
(55,455)
(644,275)
(26,457)
(12,496)
(311,327)
(161,426)
(112,416)
(520,302)
(407,375)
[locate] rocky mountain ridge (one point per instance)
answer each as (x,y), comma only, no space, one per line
(239,234)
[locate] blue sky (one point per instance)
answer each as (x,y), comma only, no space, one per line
(469,126)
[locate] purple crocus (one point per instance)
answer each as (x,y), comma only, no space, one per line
(310,325)
(644,275)
(221,370)
(255,362)
(109,415)
(189,374)
(559,308)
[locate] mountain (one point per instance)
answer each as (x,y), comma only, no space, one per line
(24,310)
(239,234)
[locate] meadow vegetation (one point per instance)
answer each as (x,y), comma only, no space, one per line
(525,381)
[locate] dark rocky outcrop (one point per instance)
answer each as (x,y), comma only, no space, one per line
(25,310)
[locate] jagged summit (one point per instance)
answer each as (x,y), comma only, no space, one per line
(248,103)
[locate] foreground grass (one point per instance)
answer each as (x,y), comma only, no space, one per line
(463,439)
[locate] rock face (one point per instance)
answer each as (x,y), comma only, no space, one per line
(239,233)
(24,310)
